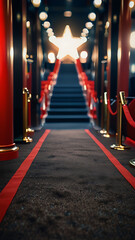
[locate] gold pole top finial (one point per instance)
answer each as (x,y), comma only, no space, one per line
(123,98)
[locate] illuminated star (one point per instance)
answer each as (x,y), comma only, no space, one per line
(67,44)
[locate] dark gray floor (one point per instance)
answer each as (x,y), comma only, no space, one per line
(71,191)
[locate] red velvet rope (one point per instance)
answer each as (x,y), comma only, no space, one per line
(110,109)
(128,116)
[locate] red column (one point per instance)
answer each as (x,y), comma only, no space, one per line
(8,150)
(24,44)
(29,85)
(124,47)
(109,51)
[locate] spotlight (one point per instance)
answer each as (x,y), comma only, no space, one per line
(132,40)
(92,16)
(36,3)
(97,3)
(46,24)
(85,30)
(83,34)
(43,16)
(131,4)
(51,57)
(49,30)
(67,14)
(28,24)
(84,54)
(89,25)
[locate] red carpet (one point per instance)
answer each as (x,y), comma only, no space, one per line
(126,174)
(8,193)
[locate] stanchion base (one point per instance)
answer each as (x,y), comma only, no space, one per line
(27,139)
(119,147)
(103,131)
(106,135)
(132,162)
(8,153)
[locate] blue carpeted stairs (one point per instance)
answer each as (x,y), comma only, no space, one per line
(67,103)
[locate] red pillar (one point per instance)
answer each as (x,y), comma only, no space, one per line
(109,51)
(8,150)
(29,85)
(124,47)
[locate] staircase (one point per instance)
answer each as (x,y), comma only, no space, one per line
(67,103)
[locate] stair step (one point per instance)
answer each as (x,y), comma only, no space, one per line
(67,91)
(80,99)
(67,95)
(68,105)
(68,86)
(68,111)
(70,118)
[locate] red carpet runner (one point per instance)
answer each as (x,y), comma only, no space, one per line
(126,174)
(8,193)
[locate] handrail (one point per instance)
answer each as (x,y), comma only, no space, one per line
(88,86)
(46,88)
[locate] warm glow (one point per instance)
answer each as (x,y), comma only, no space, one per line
(28,24)
(24,53)
(89,25)
(12,53)
(92,16)
(46,24)
(49,30)
(52,38)
(132,40)
(83,34)
(51,57)
(109,54)
(131,4)
(50,34)
(67,14)
(84,39)
(85,30)
(36,3)
(119,54)
(107,24)
(115,18)
(97,3)
(84,54)
(67,44)
(18,16)
(133,68)
(43,16)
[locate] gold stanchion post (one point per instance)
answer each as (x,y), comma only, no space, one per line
(29,130)
(25,116)
(119,145)
(106,134)
(104,114)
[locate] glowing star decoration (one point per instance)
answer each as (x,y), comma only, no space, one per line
(67,44)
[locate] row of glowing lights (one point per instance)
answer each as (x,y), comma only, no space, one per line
(92,16)
(52,57)
(36,3)
(97,3)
